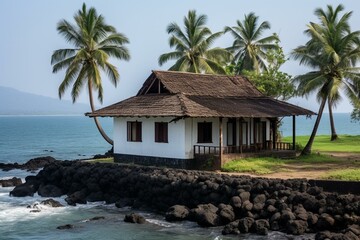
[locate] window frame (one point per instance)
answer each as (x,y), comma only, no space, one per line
(203,133)
(161,132)
(134,126)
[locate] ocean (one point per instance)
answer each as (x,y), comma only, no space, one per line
(76,137)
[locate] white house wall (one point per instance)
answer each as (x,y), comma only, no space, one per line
(182,136)
(175,148)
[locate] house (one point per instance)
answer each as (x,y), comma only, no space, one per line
(186,120)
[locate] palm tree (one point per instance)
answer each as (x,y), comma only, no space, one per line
(249,47)
(94,43)
(192,47)
(333,51)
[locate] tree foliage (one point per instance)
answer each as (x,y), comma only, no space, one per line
(94,42)
(273,82)
(193,52)
(249,46)
(332,51)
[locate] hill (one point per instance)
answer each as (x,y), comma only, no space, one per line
(14,102)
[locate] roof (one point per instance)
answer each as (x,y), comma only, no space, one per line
(201,84)
(179,94)
(180,105)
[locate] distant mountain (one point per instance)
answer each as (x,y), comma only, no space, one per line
(14,102)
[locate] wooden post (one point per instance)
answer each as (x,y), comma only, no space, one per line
(294,131)
(274,132)
(220,142)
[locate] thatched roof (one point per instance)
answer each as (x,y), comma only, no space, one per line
(178,94)
(201,84)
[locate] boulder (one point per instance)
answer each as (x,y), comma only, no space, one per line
(245,224)
(325,222)
(261,227)
(296,227)
(236,202)
(134,218)
(124,202)
(226,214)
(13,182)
(231,228)
(76,197)
(177,213)
(51,202)
(64,227)
(49,191)
(245,196)
(205,215)
(23,190)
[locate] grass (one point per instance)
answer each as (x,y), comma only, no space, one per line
(322,143)
(254,165)
(101,160)
(267,165)
(350,174)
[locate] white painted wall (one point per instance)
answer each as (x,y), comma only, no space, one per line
(182,136)
(175,148)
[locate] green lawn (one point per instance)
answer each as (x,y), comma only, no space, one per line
(350,174)
(267,165)
(345,143)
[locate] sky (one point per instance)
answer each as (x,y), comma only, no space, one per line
(29,37)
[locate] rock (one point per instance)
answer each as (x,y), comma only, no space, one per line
(351,236)
(35,211)
(231,228)
(23,190)
(236,202)
(325,222)
(297,227)
(323,235)
(95,197)
(49,191)
(51,202)
(226,214)
(76,197)
(13,182)
(124,202)
(36,163)
(247,205)
(177,213)
(355,228)
(286,216)
(245,196)
(261,227)
(245,224)
(97,218)
(134,218)
(64,227)
(206,215)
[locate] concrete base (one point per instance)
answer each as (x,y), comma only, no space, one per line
(154,161)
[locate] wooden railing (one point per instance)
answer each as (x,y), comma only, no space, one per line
(253,148)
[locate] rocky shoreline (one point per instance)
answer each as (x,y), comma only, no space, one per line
(239,203)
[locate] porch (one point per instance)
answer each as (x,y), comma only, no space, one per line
(204,154)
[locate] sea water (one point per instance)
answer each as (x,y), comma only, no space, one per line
(76,137)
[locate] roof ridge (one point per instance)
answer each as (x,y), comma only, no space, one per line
(183,72)
(182,103)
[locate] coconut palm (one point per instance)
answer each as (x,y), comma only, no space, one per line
(94,43)
(249,47)
(332,51)
(192,47)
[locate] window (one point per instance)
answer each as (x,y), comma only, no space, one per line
(134,131)
(161,132)
(204,132)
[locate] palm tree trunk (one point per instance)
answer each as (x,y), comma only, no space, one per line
(97,123)
(334,136)
(307,149)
